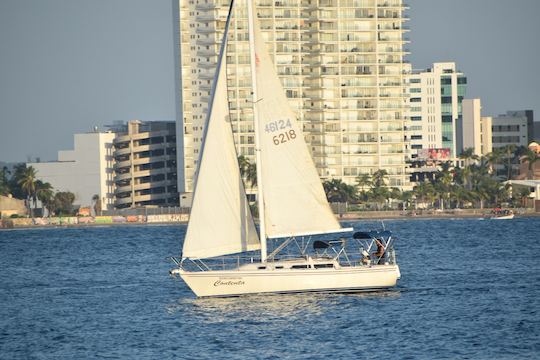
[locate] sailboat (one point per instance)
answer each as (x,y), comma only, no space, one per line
(223,255)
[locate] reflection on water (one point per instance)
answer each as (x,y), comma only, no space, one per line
(270,306)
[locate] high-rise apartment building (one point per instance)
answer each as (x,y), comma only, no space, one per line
(341,63)
(435,112)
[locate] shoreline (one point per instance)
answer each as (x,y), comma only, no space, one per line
(182,219)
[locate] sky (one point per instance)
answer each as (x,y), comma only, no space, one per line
(69,65)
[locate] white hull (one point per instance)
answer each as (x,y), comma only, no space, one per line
(240,282)
(505,217)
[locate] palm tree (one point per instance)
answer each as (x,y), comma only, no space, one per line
(443,185)
(248,170)
(337,191)
(4,182)
(14,186)
(425,192)
(530,157)
(97,204)
(27,182)
(467,155)
(364,182)
(509,152)
(406,197)
(44,192)
(251,175)
(494,158)
(243,164)
(379,178)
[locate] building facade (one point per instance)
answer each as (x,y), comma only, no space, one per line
(513,128)
(341,63)
(475,129)
(436,95)
(87,170)
(145,164)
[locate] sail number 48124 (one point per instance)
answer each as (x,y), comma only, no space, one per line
(284,137)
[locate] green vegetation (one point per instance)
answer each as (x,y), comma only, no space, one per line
(474,185)
(23,184)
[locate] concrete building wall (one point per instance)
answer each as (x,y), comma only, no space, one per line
(511,128)
(85,171)
(476,130)
(486,135)
(145,165)
(10,206)
(435,107)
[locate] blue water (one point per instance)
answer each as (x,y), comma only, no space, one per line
(470,289)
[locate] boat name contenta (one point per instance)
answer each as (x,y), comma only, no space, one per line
(292,204)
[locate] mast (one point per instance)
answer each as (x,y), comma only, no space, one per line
(260,197)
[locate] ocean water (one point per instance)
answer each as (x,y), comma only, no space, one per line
(470,289)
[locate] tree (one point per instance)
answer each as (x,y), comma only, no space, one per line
(97,204)
(467,155)
(4,182)
(243,164)
(14,186)
(443,184)
(248,170)
(364,182)
(27,182)
(45,194)
(425,192)
(494,158)
(509,154)
(530,157)
(406,198)
(251,175)
(337,191)
(379,193)
(379,178)
(63,203)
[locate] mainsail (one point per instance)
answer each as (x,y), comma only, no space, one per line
(294,199)
(220,222)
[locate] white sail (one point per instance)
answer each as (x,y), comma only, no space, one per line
(220,221)
(294,199)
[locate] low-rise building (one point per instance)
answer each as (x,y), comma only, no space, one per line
(86,171)
(513,128)
(10,206)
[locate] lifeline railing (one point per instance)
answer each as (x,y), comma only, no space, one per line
(344,254)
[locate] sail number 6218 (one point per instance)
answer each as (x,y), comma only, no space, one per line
(284,137)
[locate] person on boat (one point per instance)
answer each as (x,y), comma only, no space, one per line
(380,251)
(365,256)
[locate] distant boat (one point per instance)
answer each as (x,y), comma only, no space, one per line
(500,214)
(292,205)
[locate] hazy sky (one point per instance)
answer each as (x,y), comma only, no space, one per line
(68,65)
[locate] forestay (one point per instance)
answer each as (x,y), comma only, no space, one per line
(294,200)
(220,221)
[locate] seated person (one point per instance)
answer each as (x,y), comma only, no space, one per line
(380,252)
